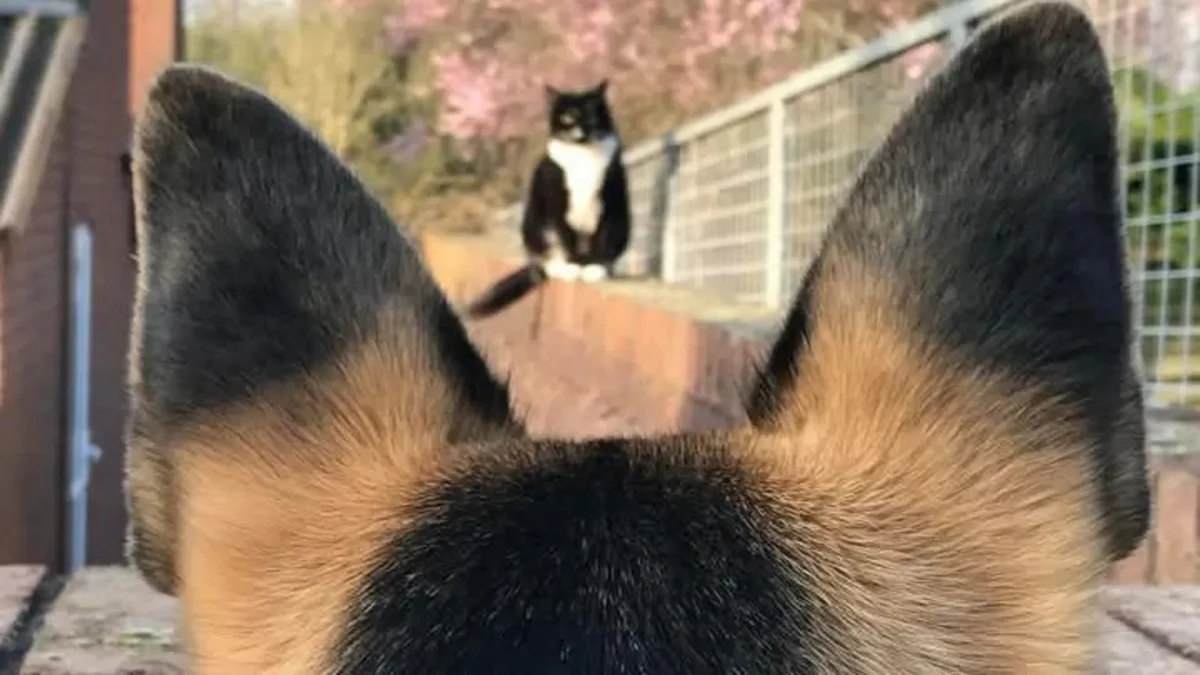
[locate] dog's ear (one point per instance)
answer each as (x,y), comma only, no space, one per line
(265,266)
(983,239)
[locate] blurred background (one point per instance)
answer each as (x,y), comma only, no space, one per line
(440,105)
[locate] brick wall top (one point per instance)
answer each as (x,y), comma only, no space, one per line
(680,358)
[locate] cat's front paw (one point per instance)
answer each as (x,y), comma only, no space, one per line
(566,271)
(593,273)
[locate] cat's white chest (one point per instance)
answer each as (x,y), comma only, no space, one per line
(584,166)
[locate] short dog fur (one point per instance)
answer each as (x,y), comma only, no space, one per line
(946,447)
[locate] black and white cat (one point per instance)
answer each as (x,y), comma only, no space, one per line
(577,217)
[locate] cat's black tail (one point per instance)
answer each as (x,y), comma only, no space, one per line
(507,291)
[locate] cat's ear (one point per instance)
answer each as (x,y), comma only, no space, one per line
(602,88)
(271,280)
(550,93)
(982,243)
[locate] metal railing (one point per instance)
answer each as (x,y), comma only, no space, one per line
(737,201)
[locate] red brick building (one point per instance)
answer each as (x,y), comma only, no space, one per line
(72,74)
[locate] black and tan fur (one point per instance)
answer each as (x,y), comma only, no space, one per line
(946,447)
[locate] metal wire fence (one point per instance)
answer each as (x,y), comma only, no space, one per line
(737,201)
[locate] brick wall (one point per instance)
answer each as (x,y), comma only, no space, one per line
(32,416)
(154,40)
(1169,556)
(81,183)
(127,42)
(635,357)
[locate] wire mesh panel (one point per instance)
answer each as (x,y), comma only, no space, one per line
(648,177)
(719,209)
(1154,52)
(830,132)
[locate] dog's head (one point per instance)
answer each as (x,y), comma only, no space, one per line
(945,448)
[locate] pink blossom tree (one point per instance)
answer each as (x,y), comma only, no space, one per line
(474,71)
(488,58)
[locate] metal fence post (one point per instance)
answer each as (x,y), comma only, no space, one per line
(83,453)
(958,36)
(667,210)
(776,203)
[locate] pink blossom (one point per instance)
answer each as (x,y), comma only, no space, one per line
(419,14)
(399,32)
(410,143)
(489,57)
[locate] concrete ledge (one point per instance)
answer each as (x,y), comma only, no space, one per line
(1167,615)
(107,620)
(17,585)
(18,588)
(1127,651)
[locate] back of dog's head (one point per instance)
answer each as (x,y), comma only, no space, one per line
(945,448)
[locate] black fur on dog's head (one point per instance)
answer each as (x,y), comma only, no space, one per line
(945,449)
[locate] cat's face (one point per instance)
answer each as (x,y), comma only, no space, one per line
(579,116)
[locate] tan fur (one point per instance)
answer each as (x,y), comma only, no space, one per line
(281,518)
(945,513)
(149,488)
(149,483)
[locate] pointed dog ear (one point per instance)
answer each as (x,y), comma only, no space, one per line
(986,233)
(264,263)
